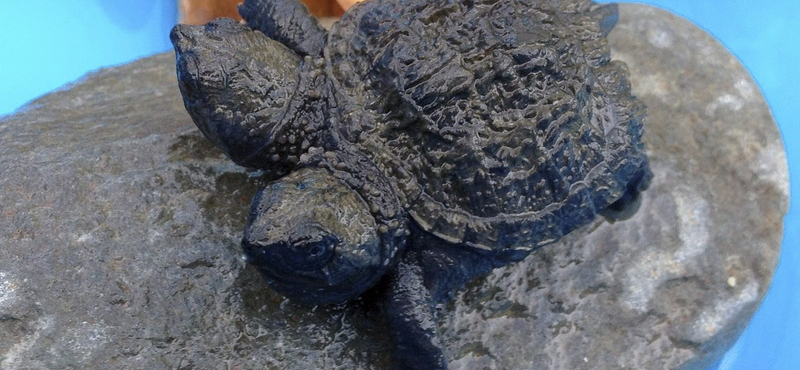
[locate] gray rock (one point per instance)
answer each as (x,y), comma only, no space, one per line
(119,227)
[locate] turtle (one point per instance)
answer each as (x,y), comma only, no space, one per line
(417,144)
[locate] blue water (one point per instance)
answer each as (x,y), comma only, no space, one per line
(45,44)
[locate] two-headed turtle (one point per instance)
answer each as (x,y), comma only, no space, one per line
(421,141)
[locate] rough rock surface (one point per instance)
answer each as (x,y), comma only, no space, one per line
(119,227)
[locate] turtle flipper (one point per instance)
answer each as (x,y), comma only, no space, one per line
(414,329)
(286,21)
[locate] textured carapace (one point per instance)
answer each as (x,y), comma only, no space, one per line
(503,124)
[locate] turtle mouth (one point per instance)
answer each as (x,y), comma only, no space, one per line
(305,256)
(320,278)
(312,272)
(324,286)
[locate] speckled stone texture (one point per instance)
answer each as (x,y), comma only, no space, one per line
(119,227)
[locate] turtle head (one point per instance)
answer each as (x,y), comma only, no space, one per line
(314,239)
(238,85)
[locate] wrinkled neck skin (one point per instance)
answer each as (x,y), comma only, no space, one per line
(314,119)
(337,153)
(303,126)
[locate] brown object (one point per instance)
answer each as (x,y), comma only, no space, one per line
(202,11)
(327,8)
(346,4)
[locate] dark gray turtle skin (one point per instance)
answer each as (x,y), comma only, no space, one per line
(416,145)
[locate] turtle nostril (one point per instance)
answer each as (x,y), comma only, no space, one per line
(183,37)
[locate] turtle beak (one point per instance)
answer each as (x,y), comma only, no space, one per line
(184,37)
(185,41)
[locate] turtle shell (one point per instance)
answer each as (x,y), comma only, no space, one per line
(503,125)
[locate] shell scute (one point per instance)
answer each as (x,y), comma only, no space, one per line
(509,117)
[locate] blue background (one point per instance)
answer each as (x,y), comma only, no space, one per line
(45,44)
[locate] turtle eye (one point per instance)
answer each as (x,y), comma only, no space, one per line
(310,254)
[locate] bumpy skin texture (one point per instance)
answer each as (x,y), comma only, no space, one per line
(421,142)
(243,94)
(287,23)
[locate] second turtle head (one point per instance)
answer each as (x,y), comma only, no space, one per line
(314,239)
(241,89)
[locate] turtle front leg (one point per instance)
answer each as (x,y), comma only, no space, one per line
(410,313)
(627,205)
(286,21)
